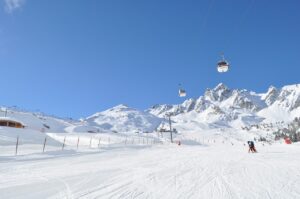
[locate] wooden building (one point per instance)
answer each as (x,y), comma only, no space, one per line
(8,122)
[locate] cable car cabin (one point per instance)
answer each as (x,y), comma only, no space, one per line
(223,67)
(11,123)
(182,93)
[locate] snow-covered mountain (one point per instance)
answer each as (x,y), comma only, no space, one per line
(220,100)
(283,104)
(224,107)
(220,107)
(124,119)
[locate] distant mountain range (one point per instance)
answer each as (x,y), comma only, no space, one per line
(220,107)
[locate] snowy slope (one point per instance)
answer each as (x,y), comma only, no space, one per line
(171,172)
(36,126)
(218,108)
(35,121)
(87,159)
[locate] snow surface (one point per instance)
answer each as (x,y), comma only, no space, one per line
(118,154)
(212,170)
(35,121)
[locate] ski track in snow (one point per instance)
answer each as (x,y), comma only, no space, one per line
(168,171)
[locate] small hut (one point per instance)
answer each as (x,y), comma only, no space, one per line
(10,122)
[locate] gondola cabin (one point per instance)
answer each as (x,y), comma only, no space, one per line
(181,93)
(223,66)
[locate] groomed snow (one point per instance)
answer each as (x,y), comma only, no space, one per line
(211,170)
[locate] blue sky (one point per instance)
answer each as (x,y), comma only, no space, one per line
(73,58)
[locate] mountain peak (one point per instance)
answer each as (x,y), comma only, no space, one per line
(219,93)
(220,86)
(120,106)
(272,88)
(271,96)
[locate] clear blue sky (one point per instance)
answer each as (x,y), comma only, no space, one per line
(73,58)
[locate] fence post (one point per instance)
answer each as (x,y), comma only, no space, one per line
(17,145)
(99,143)
(63,146)
(44,144)
(91,142)
(77,143)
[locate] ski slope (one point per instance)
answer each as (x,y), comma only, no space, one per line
(118,154)
(207,170)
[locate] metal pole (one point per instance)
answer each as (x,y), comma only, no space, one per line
(44,144)
(91,142)
(17,145)
(147,139)
(170,124)
(63,146)
(77,143)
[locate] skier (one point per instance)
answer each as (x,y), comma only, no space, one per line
(251,147)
